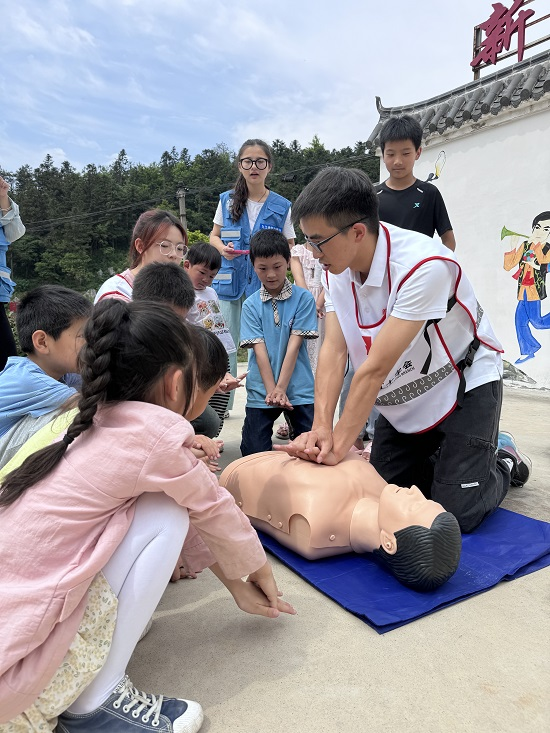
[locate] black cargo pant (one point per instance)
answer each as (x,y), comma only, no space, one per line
(455,463)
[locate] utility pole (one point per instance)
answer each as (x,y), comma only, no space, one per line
(180,194)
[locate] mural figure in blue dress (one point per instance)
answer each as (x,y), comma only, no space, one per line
(531,254)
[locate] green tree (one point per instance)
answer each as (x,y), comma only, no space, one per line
(79,224)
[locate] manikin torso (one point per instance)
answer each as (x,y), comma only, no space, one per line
(315,510)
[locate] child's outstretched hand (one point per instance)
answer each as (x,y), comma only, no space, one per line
(210,463)
(210,447)
(250,598)
(229,382)
(258,594)
(269,601)
(182,571)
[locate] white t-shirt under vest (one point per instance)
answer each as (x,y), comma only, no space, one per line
(119,286)
(412,277)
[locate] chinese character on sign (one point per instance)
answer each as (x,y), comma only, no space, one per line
(499,29)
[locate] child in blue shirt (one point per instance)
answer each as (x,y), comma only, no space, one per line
(276,321)
(50,321)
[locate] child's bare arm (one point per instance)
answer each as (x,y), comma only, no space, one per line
(278,395)
(297,272)
(320,304)
(264,365)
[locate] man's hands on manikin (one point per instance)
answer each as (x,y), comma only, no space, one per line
(316,446)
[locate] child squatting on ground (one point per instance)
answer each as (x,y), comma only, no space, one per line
(160,283)
(50,322)
(169,284)
(202,265)
(276,321)
(122,490)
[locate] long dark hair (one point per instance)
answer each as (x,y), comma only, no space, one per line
(240,189)
(129,347)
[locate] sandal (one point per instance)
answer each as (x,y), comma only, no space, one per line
(282,432)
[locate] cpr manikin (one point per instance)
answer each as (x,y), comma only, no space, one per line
(319,510)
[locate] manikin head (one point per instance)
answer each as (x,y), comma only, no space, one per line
(420,542)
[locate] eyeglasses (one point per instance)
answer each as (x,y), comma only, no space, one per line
(166,248)
(317,245)
(247,163)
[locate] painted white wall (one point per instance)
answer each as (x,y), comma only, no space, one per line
(497,173)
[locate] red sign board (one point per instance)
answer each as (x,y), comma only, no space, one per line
(499,28)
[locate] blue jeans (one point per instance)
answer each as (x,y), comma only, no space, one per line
(258,426)
(528,312)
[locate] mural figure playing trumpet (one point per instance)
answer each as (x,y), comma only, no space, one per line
(531,253)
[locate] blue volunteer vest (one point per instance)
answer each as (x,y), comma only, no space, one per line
(6,283)
(237,277)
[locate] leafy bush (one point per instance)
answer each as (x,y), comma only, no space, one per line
(11,319)
(196,236)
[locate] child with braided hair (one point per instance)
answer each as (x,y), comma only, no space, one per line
(87,553)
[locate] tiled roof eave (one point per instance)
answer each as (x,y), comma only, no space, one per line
(472,126)
(511,87)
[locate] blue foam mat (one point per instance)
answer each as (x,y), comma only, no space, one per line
(506,546)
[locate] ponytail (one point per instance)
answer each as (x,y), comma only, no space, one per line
(240,197)
(128,349)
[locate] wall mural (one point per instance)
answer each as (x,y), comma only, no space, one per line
(531,254)
(439,165)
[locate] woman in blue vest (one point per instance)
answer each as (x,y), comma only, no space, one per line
(11,228)
(247,208)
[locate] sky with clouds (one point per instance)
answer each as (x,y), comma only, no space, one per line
(83,79)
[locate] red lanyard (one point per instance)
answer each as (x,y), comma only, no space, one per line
(368,339)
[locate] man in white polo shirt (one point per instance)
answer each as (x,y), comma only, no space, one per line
(422,348)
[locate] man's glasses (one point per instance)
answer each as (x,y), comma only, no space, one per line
(167,248)
(316,246)
(247,163)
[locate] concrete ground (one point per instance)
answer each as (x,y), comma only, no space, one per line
(482,665)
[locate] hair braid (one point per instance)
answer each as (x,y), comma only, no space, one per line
(129,348)
(95,362)
(102,334)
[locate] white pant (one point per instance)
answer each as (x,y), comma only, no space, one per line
(138,573)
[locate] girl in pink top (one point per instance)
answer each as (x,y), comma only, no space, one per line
(158,236)
(91,527)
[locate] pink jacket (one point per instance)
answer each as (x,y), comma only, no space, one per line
(62,531)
